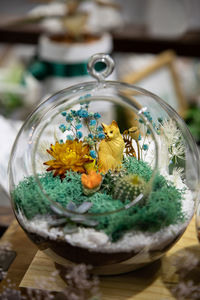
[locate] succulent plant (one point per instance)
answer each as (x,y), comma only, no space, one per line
(128,187)
(70,219)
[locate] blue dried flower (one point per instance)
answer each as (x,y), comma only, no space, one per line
(82,113)
(93,122)
(145,147)
(93,153)
(68,127)
(69,117)
(63,113)
(78,121)
(79,134)
(70,137)
(148,116)
(62,127)
(99,128)
(158,131)
(97,116)
(61,141)
(141,121)
(78,126)
(101,136)
(148,131)
(74,113)
(90,136)
(84,104)
(139,137)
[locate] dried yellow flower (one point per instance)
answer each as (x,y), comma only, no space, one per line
(71,155)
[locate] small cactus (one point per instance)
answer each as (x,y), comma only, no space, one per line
(128,187)
(110,180)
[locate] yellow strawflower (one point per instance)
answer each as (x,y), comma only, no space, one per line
(71,155)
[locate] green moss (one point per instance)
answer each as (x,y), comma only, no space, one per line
(28,196)
(139,167)
(163,207)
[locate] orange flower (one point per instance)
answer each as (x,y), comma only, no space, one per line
(92,180)
(71,155)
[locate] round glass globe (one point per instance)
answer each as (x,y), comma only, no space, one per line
(104,173)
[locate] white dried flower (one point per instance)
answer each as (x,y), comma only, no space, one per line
(173,140)
(171,132)
(177,150)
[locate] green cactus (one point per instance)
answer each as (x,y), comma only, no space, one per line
(128,187)
(110,179)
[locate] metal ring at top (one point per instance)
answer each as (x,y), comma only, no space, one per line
(104,58)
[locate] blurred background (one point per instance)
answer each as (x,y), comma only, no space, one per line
(45,45)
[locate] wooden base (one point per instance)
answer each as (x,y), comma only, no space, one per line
(155,280)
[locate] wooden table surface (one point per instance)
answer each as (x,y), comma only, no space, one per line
(25,250)
(153,281)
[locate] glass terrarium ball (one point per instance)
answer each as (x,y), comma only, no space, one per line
(104,173)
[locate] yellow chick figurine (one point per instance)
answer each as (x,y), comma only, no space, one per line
(111,149)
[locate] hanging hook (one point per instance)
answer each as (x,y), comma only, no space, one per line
(104,58)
